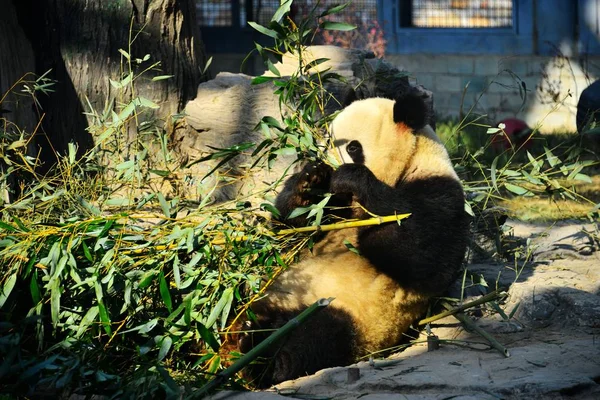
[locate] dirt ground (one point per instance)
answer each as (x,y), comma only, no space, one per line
(553,339)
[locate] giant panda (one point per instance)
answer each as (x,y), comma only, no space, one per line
(393,162)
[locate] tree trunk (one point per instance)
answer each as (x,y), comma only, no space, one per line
(16,61)
(79,41)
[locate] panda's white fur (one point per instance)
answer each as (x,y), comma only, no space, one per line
(371,121)
(374,304)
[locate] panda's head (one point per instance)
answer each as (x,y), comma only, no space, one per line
(391,138)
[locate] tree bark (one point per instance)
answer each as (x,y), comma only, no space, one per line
(16,61)
(78,40)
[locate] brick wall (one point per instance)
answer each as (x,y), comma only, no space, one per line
(494,85)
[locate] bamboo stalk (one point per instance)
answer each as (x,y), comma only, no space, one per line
(324,228)
(496,294)
(470,324)
(247,358)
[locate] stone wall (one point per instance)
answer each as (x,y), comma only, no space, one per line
(540,90)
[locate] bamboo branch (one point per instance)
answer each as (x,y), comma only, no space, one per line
(324,228)
(496,294)
(471,325)
(247,358)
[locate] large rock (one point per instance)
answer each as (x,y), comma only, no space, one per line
(228,108)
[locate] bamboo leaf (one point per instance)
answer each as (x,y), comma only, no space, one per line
(283,9)
(148,103)
(337,26)
(493,173)
(34,289)
(552,159)
(7,288)
(208,337)
(226,297)
(164,291)
(7,227)
(517,189)
(87,320)
(104,318)
(262,79)
(125,54)
(164,205)
(263,30)
(583,177)
(272,68)
(86,252)
(162,77)
(165,346)
(335,9)
(54,286)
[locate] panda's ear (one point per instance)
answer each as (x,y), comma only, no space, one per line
(410,109)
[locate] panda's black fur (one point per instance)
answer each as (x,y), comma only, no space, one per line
(393,163)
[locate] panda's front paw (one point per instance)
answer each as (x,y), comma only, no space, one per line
(349,179)
(314,179)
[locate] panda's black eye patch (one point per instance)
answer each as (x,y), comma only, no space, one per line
(355,151)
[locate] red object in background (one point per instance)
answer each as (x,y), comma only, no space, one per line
(517,134)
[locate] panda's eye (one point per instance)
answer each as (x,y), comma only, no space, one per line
(355,151)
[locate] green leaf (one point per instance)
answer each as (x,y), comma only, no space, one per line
(552,159)
(161,77)
(166,208)
(517,189)
(86,252)
(104,318)
(54,286)
(298,211)
(226,298)
(164,291)
(160,172)
(337,26)
(263,30)
(34,289)
(208,337)
(148,103)
(124,53)
(7,227)
(7,288)
(270,208)
(165,346)
(272,68)
(20,224)
(283,9)
(262,79)
(583,177)
(334,9)
(87,320)
(351,247)
(493,173)
(147,279)
(176,272)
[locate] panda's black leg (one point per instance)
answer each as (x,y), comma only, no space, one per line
(327,339)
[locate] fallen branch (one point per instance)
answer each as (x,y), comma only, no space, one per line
(495,295)
(471,325)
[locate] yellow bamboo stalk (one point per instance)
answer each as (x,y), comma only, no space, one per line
(323,228)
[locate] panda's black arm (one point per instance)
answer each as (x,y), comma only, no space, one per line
(424,248)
